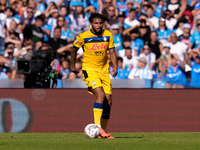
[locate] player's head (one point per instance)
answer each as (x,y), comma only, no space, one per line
(96,22)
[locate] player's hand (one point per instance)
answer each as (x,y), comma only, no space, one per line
(74,70)
(114,72)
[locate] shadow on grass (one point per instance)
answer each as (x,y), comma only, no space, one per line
(129,137)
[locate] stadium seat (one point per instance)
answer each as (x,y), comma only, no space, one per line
(159,84)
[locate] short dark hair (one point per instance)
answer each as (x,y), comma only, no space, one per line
(57,27)
(129,48)
(150,7)
(95,15)
(132,10)
(40,17)
(134,31)
(120,59)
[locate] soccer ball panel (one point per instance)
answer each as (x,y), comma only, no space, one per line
(92,131)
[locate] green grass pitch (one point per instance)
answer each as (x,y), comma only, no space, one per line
(78,141)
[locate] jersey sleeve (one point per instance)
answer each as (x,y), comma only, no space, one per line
(111,42)
(78,42)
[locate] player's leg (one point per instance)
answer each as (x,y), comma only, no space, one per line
(106,111)
(98,104)
(98,109)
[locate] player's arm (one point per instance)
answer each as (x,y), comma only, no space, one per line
(113,58)
(73,59)
(76,45)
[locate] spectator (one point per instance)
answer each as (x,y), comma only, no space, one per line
(173,5)
(195,73)
(14,39)
(163,31)
(122,73)
(195,38)
(90,10)
(29,18)
(160,8)
(155,46)
(20,32)
(178,28)
(104,7)
(65,52)
(15,6)
(63,12)
(79,20)
(2,32)
(175,73)
(129,60)
(144,6)
(141,72)
(151,20)
(178,12)
(9,14)
(122,25)
(132,5)
(57,42)
(65,69)
(25,53)
(178,48)
(52,20)
(72,75)
(196,8)
(3,75)
(95,4)
(40,6)
(38,44)
(185,37)
(3,5)
(35,31)
(117,38)
(65,32)
(170,22)
(50,7)
(73,4)
(131,20)
(188,16)
(136,43)
(11,61)
(111,18)
(121,5)
(165,58)
(126,43)
(46,28)
(12,29)
(57,3)
(144,31)
(33,5)
(149,56)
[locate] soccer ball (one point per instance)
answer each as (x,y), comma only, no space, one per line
(92,131)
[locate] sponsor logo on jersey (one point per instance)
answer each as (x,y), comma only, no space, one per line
(98,53)
(96,46)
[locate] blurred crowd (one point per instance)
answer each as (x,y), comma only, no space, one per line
(154,39)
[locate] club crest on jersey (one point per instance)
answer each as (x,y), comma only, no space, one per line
(96,46)
(94,83)
(105,39)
